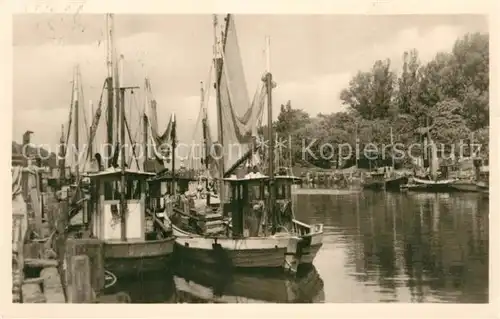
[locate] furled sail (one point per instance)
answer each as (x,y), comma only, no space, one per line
(239,117)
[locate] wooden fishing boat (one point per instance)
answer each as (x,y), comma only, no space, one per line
(427,185)
(375,181)
(244,231)
(204,236)
(134,241)
(395,182)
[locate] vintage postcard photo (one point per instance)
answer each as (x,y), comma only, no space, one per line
(250,158)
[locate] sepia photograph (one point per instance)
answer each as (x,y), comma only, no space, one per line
(250,158)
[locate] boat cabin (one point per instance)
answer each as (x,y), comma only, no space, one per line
(247,203)
(167,183)
(106,222)
(284,182)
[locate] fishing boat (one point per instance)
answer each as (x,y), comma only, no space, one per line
(478,183)
(252,236)
(374,180)
(134,240)
(428,185)
(432,182)
(394,182)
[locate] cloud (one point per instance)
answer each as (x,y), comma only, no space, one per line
(311,73)
(315,95)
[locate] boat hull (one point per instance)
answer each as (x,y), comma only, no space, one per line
(374,185)
(311,241)
(308,254)
(244,253)
(465,187)
(132,258)
(395,183)
(423,185)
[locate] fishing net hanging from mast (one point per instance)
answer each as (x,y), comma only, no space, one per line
(239,117)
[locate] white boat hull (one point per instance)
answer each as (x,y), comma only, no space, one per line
(311,241)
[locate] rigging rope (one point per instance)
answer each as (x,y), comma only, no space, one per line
(83,107)
(70,120)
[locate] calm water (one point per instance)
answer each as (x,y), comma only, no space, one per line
(378,247)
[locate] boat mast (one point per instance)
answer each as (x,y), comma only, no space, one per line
(76,114)
(62,156)
(269,85)
(218,72)
(123,183)
(145,126)
(109,85)
(91,145)
(174,144)
(205,141)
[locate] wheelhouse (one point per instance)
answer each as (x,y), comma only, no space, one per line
(247,203)
(167,183)
(106,220)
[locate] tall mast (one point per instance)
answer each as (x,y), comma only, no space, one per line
(218,72)
(205,142)
(62,156)
(76,114)
(174,144)
(91,145)
(123,183)
(269,85)
(110,88)
(145,134)
(122,164)
(118,85)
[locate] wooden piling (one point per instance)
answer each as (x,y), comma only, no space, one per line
(80,290)
(94,249)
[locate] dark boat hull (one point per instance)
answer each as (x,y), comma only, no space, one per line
(395,183)
(126,259)
(375,185)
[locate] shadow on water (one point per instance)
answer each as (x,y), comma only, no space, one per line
(378,247)
(192,284)
(392,247)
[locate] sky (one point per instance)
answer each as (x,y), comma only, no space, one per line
(312,57)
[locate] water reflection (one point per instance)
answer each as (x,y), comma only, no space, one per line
(379,247)
(402,247)
(202,285)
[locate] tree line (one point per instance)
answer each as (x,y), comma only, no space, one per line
(449,95)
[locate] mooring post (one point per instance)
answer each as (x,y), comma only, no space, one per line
(94,250)
(81,288)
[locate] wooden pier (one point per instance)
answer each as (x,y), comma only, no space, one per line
(48,267)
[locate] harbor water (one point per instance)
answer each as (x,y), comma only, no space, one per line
(378,247)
